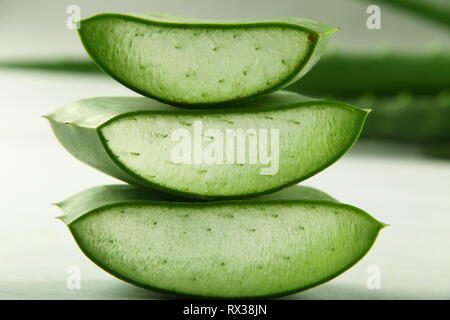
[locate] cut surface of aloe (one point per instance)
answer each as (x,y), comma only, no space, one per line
(267,246)
(263,146)
(195,62)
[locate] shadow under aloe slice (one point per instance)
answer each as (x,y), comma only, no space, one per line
(197,63)
(261,147)
(294,239)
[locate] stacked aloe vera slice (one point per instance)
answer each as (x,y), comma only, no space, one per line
(211,127)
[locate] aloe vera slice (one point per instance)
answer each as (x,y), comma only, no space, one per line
(263,146)
(195,62)
(268,246)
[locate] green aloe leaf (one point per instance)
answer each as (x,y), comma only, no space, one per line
(261,147)
(196,63)
(346,75)
(268,246)
(405,117)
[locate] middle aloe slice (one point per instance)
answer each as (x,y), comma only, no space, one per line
(263,146)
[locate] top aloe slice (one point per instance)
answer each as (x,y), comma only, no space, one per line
(273,245)
(191,62)
(261,147)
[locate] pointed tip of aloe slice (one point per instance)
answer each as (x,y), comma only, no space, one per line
(57,204)
(331,30)
(383,225)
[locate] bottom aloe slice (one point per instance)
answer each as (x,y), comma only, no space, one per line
(252,149)
(267,246)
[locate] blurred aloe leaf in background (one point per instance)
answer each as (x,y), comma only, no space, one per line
(342,74)
(58,65)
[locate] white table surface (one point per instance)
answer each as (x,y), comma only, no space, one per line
(394,183)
